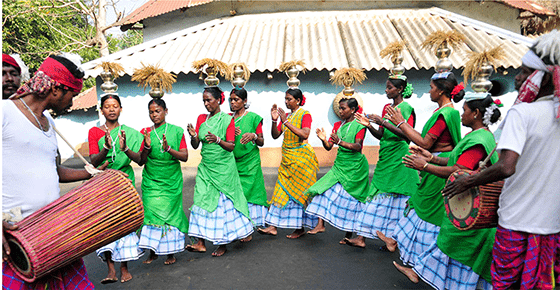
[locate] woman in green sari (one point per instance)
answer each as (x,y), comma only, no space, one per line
(116,144)
(392,183)
(339,196)
(220,212)
(248,139)
(165,222)
(459,258)
(442,132)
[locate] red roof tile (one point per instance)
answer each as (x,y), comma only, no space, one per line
(528,5)
(158,7)
(85,100)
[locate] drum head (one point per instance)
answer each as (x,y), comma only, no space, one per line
(462,208)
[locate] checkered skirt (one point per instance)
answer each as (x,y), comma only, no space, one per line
(257,213)
(222,226)
(122,250)
(292,216)
(163,240)
(414,237)
(442,272)
(380,214)
(337,207)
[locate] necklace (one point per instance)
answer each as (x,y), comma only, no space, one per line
(239,119)
(160,139)
(34,116)
(347,128)
(113,142)
(446,105)
(212,126)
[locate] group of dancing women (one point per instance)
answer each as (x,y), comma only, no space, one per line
(399,206)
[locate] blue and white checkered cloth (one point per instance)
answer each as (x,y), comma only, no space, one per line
(337,207)
(163,240)
(222,226)
(122,250)
(257,213)
(380,214)
(414,236)
(442,272)
(292,216)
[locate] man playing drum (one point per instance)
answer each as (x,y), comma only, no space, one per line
(32,169)
(526,252)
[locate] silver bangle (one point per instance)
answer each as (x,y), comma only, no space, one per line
(104,146)
(147,147)
(218,140)
(168,148)
(126,149)
(256,136)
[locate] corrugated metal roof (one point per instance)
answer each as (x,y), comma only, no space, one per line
(157,7)
(325,40)
(528,5)
(85,100)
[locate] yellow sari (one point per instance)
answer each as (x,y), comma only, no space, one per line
(298,169)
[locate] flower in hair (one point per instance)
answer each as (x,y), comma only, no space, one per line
(486,119)
(360,110)
(498,103)
(457,89)
(222,98)
(302,100)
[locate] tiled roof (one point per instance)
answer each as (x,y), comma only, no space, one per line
(528,5)
(324,40)
(85,100)
(158,7)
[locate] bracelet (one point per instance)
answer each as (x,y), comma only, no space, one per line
(195,135)
(400,123)
(126,149)
(383,122)
(338,143)
(105,146)
(147,147)
(218,140)
(430,161)
(256,136)
(274,121)
(168,148)
(285,122)
(425,165)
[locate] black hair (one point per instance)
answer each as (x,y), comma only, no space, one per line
(398,83)
(297,94)
(157,101)
(447,85)
(216,92)
(241,93)
(352,103)
(482,105)
(109,96)
(74,70)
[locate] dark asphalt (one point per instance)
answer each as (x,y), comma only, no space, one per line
(310,262)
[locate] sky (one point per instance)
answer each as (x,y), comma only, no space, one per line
(125,6)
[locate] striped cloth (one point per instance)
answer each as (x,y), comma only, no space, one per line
(442,272)
(222,226)
(298,168)
(257,213)
(122,250)
(525,260)
(71,277)
(414,236)
(292,216)
(381,214)
(164,240)
(337,207)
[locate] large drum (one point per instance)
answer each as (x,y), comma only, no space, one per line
(100,211)
(475,208)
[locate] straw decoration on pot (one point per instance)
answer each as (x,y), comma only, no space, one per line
(112,67)
(212,67)
(111,71)
(478,62)
(158,79)
(347,77)
(442,43)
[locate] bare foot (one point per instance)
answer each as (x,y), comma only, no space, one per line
(390,243)
(125,275)
(111,278)
(247,239)
(221,250)
(317,230)
(268,231)
(151,258)
(296,234)
(199,247)
(408,272)
(170,260)
(358,241)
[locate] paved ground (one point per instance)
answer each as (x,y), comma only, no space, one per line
(311,262)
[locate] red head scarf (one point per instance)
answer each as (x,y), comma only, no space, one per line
(59,73)
(11,61)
